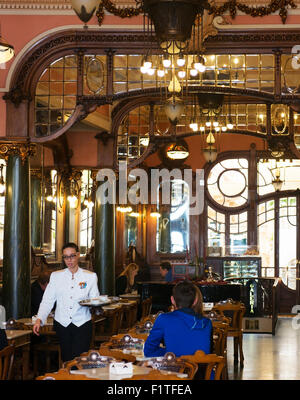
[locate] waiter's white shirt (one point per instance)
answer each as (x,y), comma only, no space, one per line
(67,290)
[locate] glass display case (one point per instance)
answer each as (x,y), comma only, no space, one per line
(236,267)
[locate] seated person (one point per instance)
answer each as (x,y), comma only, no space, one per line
(38,288)
(125,282)
(182,331)
(3,339)
(166,271)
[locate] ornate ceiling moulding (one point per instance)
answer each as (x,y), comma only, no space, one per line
(40,5)
(21,149)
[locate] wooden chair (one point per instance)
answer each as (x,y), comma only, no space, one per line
(213,364)
(173,365)
(63,375)
(50,345)
(129,315)
(236,311)
(97,325)
(6,362)
(220,333)
(91,359)
(146,306)
(105,350)
(111,325)
(156,374)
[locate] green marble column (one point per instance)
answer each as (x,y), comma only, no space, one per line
(105,246)
(36,223)
(16,257)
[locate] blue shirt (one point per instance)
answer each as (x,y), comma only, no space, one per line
(169,276)
(182,332)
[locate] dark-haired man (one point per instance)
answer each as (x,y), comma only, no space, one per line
(166,271)
(67,287)
(182,331)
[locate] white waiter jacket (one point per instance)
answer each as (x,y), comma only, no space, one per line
(67,290)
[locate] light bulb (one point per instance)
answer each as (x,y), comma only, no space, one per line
(224,128)
(217,129)
(194,126)
(202,128)
(208,123)
(166,62)
(150,71)
(147,64)
(215,123)
(180,60)
(230,125)
(193,72)
(160,73)
(181,74)
(143,69)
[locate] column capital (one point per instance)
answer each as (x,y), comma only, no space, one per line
(21,149)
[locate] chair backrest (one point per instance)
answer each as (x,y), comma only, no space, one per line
(105,350)
(63,375)
(220,333)
(214,364)
(173,364)
(156,374)
(146,307)
(234,310)
(6,362)
(114,321)
(91,359)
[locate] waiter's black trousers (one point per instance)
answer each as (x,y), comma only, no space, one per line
(74,340)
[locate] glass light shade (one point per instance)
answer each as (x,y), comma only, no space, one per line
(181,74)
(166,62)
(84,8)
(230,125)
(134,214)
(277,183)
(210,154)
(150,71)
(49,198)
(174,85)
(143,69)
(177,152)
(174,108)
(6,51)
(210,139)
(181,60)
(160,73)
(194,126)
(147,64)
(193,72)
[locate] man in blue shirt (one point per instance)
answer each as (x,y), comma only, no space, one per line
(166,271)
(182,331)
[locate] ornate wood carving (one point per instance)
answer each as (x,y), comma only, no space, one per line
(23,150)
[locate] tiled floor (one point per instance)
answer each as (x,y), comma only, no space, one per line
(269,357)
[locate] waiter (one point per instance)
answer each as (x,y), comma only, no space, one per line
(72,321)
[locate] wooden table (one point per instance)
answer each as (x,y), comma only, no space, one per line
(21,340)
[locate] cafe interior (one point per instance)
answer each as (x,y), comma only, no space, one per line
(149,131)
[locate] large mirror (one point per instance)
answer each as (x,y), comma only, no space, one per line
(173,224)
